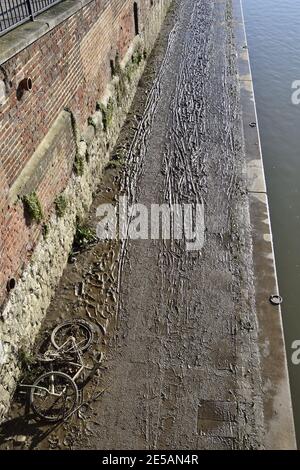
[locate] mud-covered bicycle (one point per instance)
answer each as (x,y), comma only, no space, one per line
(54,395)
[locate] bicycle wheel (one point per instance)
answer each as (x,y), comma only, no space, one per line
(53,396)
(81,330)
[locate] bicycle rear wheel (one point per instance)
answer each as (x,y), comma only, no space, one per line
(53,396)
(80,330)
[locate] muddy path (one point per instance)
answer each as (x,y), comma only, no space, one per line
(178,327)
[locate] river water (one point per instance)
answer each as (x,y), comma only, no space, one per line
(273,31)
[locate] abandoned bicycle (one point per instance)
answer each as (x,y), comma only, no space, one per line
(54,395)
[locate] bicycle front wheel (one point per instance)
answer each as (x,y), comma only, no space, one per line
(80,330)
(53,396)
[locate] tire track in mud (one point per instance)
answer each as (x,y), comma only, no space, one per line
(137,151)
(195,341)
(185,131)
(185,371)
(202,111)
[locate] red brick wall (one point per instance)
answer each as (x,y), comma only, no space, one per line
(69,67)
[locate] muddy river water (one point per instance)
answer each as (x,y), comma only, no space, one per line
(273,31)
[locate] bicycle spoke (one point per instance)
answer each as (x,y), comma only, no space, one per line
(56,403)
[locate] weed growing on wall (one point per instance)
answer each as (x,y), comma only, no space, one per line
(60,204)
(33,207)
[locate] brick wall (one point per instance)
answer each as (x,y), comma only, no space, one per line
(69,67)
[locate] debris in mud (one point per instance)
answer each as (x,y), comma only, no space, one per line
(20,439)
(276,299)
(55,391)
(80,289)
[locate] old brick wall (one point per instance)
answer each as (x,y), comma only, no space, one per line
(70,68)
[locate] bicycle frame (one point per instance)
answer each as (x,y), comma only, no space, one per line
(53,355)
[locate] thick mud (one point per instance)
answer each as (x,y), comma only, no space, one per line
(178,327)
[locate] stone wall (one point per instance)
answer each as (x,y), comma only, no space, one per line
(55,140)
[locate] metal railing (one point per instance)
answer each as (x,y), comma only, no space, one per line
(16,12)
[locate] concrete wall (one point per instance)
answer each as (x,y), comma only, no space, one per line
(50,132)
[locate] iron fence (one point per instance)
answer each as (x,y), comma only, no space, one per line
(16,12)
